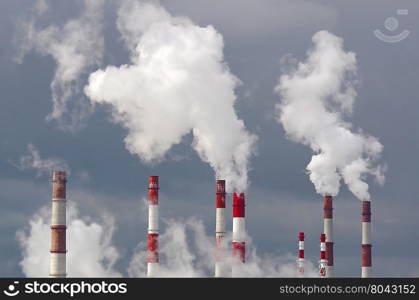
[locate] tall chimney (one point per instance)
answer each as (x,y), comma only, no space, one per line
(153,226)
(239,229)
(58,226)
(300,259)
(323,260)
(328,230)
(366,261)
(220,230)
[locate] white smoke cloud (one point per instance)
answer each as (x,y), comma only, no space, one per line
(76,47)
(34,161)
(177,83)
(89,245)
(316,95)
(186,251)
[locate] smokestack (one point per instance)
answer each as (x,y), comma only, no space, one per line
(220,230)
(239,229)
(328,230)
(300,259)
(58,226)
(153,226)
(366,261)
(323,260)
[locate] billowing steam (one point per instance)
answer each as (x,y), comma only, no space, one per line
(76,47)
(315,97)
(90,248)
(186,251)
(176,83)
(34,161)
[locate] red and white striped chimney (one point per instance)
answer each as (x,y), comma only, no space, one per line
(366,260)
(328,230)
(323,260)
(58,226)
(239,228)
(300,259)
(220,230)
(153,226)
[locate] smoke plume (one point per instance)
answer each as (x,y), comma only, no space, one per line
(89,244)
(186,251)
(316,96)
(34,161)
(176,83)
(76,47)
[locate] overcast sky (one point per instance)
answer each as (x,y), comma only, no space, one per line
(281,200)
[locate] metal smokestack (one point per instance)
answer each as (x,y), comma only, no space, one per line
(300,259)
(323,260)
(328,230)
(58,226)
(220,230)
(153,226)
(366,260)
(239,228)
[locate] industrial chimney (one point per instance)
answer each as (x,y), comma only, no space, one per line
(366,261)
(58,226)
(239,229)
(328,230)
(300,259)
(323,260)
(153,226)
(220,230)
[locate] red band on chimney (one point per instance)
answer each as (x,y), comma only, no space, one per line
(322,246)
(221,194)
(239,248)
(59,180)
(328,207)
(301,236)
(153,245)
(366,256)
(366,211)
(238,205)
(153,190)
(300,253)
(58,240)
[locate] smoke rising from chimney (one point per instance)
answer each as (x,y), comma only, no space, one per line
(34,161)
(89,244)
(316,96)
(76,47)
(187,251)
(176,83)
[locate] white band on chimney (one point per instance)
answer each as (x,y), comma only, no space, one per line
(365,272)
(239,229)
(366,233)
(153,218)
(328,229)
(301,245)
(152,269)
(58,216)
(220,219)
(57,265)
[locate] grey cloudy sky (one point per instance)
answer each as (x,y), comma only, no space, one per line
(281,200)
